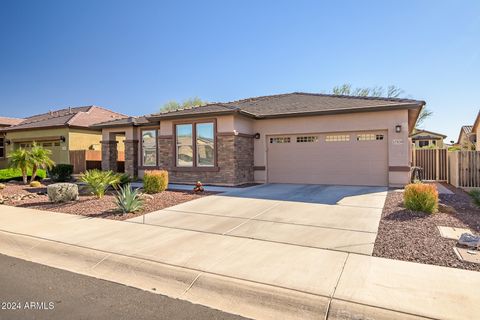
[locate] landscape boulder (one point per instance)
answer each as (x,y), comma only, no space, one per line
(62,192)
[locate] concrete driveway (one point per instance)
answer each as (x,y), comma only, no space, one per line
(340,218)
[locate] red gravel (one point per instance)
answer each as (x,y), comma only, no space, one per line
(413,236)
(91,206)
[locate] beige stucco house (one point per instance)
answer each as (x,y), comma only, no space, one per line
(4,123)
(427,139)
(285,138)
(60,131)
(476,132)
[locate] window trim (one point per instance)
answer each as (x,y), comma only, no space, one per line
(155,129)
(3,146)
(195,166)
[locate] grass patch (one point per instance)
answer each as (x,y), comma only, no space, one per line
(16,174)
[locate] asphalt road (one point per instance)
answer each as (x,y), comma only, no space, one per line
(47,293)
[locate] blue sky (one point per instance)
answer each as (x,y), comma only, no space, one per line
(133,56)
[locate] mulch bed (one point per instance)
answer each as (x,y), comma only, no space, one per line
(90,206)
(413,236)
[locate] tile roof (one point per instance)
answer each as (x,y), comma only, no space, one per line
(5,121)
(129,121)
(467,129)
(426,134)
(291,104)
(74,116)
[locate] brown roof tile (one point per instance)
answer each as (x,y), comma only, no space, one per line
(5,121)
(75,116)
(291,104)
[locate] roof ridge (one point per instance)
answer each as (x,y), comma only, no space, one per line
(106,109)
(355,97)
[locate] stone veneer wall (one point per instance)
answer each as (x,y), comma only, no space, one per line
(131,157)
(234,161)
(109,155)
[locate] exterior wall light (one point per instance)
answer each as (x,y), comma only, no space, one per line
(8,142)
(62,138)
(257,136)
(398,128)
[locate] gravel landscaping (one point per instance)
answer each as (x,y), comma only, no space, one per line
(413,236)
(87,205)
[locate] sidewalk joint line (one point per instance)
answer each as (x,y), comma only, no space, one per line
(335,288)
(191,284)
(250,219)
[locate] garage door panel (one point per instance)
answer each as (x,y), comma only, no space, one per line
(350,162)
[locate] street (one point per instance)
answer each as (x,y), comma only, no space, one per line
(33,291)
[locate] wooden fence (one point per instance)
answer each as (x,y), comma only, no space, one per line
(434,163)
(464,169)
(92,159)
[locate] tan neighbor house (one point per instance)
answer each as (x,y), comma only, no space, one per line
(59,131)
(285,138)
(4,123)
(468,137)
(427,139)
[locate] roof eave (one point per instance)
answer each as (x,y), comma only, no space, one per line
(340,111)
(174,115)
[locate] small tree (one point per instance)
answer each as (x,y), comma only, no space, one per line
(391,92)
(20,159)
(189,103)
(40,158)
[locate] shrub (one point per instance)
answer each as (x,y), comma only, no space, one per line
(124,179)
(16,174)
(155,181)
(62,192)
(421,197)
(475,194)
(35,184)
(98,181)
(61,172)
(128,200)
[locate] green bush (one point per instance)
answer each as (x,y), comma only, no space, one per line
(35,184)
(128,200)
(98,181)
(61,172)
(155,181)
(475,194)
(16,174)
(421,197)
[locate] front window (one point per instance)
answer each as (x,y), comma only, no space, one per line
(2,148)
(195,144)
(149,148)
(205,144)
(184,145)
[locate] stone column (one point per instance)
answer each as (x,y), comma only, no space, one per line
(109,155)
(131,157)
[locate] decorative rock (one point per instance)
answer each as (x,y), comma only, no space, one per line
(2,186)
(146,197)
(62,192)
(444,208)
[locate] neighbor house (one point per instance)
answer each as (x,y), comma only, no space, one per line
(427,139)
(285,138)
(4,123)
(476,131)
(466,138)
(59,131)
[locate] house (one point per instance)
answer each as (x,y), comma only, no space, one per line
(5,122)
(466,138)
(424,138)
(60,131)
(285,138)
(476,132)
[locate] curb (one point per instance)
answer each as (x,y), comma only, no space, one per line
(245,298)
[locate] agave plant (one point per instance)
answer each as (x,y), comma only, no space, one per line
(98,181)
(128,200)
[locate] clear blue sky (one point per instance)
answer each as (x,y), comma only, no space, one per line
(134,56)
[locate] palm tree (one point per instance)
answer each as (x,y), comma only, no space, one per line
(40,158)
(20,159)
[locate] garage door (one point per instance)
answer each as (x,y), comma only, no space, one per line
(349,158)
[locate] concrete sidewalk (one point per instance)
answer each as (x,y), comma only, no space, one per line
(253,278)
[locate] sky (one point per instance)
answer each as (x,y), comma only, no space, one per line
(134,56)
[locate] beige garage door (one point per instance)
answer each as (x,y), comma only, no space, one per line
(350,158)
